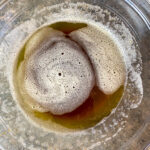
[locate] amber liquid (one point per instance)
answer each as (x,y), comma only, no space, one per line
(92,111)
(95,108)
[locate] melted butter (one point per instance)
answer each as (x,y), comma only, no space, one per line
(96,107)
(67,27)
(92,111)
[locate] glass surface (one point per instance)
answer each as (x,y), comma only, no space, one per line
(127,128)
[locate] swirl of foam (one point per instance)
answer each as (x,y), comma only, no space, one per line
(58,74)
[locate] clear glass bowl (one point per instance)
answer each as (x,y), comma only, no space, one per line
(125,129)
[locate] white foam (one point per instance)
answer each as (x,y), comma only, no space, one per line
(105,57)
(58,75)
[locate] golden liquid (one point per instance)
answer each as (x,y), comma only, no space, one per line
(95,108)
(92,111)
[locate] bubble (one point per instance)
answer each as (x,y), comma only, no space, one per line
(104,56)
(53,80)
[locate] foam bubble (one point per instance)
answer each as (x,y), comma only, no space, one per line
(55,74)
(59,74)
(105,57)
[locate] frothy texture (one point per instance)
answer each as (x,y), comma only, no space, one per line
(105,57)
(60,70)
(58,75)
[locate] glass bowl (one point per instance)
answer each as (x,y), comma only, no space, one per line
(128,126)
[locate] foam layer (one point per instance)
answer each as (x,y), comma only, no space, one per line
(105,57)
(58,75)
(60,71)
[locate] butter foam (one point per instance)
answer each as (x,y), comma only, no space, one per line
(58,74)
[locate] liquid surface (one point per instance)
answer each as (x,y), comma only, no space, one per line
(98,105)
(95,108)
